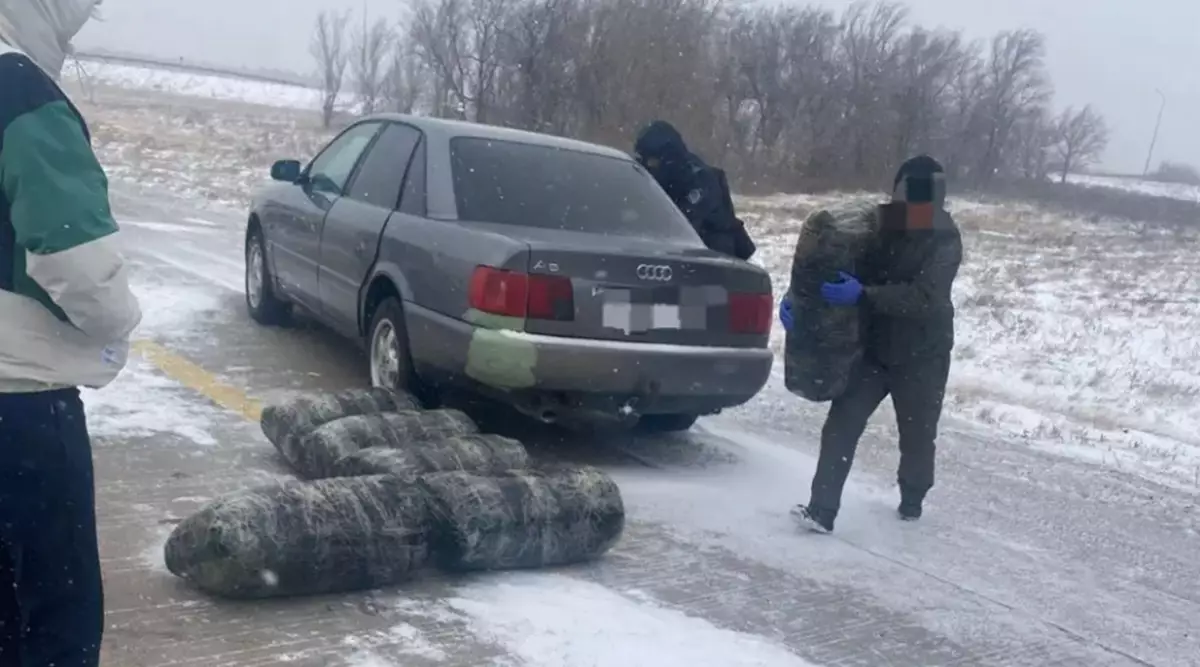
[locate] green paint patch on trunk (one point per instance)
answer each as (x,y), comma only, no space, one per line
(497,358)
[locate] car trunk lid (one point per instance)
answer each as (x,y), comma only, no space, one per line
(644,290)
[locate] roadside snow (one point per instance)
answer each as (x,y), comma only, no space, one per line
(142,402)
(550,620)
(176,82)
(1180,191)
(403,638)
(209,155)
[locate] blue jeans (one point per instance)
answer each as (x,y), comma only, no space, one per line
(51,594)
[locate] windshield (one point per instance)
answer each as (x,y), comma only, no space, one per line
(514,183)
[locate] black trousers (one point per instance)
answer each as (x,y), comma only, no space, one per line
(917,389)
(51,595)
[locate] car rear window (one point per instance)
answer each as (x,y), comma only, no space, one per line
(514,183)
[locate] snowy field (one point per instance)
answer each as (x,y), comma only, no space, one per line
(1180,191)
(87,73)
(1073,334)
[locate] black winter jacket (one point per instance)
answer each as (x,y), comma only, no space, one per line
(701,192)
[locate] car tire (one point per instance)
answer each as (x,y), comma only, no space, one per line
(672,423)
(388,353)
(264,305)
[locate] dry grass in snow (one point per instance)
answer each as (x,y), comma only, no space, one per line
(208,151)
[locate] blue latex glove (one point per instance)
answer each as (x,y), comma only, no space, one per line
(844,293)
(785,313)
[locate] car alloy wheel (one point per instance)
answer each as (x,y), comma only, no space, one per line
(254,274)
(385,356)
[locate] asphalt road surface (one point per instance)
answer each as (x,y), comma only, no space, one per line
(1023,558)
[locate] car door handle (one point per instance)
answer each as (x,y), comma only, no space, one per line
(361,249)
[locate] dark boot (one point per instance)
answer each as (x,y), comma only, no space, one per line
(816,519)
(910,504)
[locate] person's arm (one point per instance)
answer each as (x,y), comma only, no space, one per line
(929,293)
(58,198)
(703,202)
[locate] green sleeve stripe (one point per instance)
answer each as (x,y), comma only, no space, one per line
(57,190)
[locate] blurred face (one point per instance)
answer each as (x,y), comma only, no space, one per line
(650,163)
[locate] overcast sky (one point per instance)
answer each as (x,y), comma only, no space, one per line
(1111,53)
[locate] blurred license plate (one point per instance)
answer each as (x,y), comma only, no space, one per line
(621,312)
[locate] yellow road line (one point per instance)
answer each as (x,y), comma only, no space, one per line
(196,378)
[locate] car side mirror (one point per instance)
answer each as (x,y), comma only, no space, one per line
(287,171)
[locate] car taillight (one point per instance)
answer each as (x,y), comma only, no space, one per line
(514,294)
(750,313)
(551,298)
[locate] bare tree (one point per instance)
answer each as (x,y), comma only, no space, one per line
(1034,137)
(780,96)
(1082,138)
(405,80)
(1015,82)
(1177,172)
(328,48)
(367,66)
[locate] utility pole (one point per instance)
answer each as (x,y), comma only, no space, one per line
(1154,137)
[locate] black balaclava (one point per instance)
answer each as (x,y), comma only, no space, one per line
(660,149)
(920,180)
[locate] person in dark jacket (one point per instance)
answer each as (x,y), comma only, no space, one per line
(701,192)
(904,297)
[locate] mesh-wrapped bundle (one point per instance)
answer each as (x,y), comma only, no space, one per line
(319,451)
(523,519)
(825,344)
(484,454)
(286,424)
(304,538)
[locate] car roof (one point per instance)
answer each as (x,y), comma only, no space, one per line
(446,129)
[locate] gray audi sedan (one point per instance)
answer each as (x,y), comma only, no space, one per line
(552,274)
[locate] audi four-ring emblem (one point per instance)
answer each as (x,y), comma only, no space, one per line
(657,272)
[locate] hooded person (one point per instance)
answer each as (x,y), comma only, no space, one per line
(701,192)
(68,314)
(903,294)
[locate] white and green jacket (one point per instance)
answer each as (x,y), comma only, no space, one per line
(66,310)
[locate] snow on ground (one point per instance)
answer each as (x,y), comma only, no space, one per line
(97,72)
(141,401)
(414,641)
(1073,334)
(1180,191)
(204,153)
(538,617)
(557,620)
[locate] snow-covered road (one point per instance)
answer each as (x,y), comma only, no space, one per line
(1024,557)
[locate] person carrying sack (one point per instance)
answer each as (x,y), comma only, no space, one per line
(903,293)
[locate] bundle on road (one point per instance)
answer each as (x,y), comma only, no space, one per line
(480,454)
(304,538)
(318,453)
(523,519)
(287,424)
(825,343)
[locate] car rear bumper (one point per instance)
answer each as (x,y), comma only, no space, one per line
(656,377)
